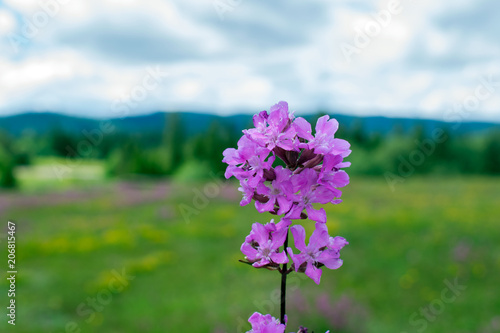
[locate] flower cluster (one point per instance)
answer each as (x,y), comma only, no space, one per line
(312,174)
(285,169)
(261,247)
(313,164)
(265,324)
(322,250)
(268,324)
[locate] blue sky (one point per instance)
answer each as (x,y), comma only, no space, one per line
(105,58)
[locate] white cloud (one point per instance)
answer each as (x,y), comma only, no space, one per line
(7,22)
(426,58)
(25,7)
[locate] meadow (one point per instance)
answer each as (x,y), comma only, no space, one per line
(158,256)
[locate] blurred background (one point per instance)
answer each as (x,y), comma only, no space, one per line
(114,116)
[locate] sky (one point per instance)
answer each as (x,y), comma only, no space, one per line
(114,58)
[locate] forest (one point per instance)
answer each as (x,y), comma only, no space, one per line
(176,150)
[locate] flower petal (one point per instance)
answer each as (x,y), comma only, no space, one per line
(303,128)
(278,238)
(261,263)
(299,237)
(313,272)
(279,257)
(249,251)
(319,237)
(330,258)
(316,215)
(261,234)
(337,243)
(264,207)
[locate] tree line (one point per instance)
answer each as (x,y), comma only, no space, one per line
(171,152)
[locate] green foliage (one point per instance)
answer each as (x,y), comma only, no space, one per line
(423,153)
(8,157)
(62,143)
(194,171)
(173,141)
(131,160)
(492,153)
(208,147)
(7,178)
(172,152)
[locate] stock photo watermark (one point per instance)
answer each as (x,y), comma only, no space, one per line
(201,198)
(272,304)
(371,30)
(152,80)
(11,272)
(470,104)
(225,6)
(38,21)
(121,107)
(407,166)
(88,309)
(420,319)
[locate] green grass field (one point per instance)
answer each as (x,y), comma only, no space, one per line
(187,278)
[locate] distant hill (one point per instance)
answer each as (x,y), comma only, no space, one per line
(198,122)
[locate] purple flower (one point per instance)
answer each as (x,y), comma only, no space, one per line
(310,192)
(239,156)
(248,192)
(317,253)
(337,243)
(279,192)
(265,324)
(323,142)
(261,247)
(256,166)
(312,175)
(313,164)
(247,162)
(331,176)
(273,130)
(270,227)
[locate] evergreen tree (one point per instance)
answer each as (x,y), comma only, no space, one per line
(7,161)
(173,142)
(492,153)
